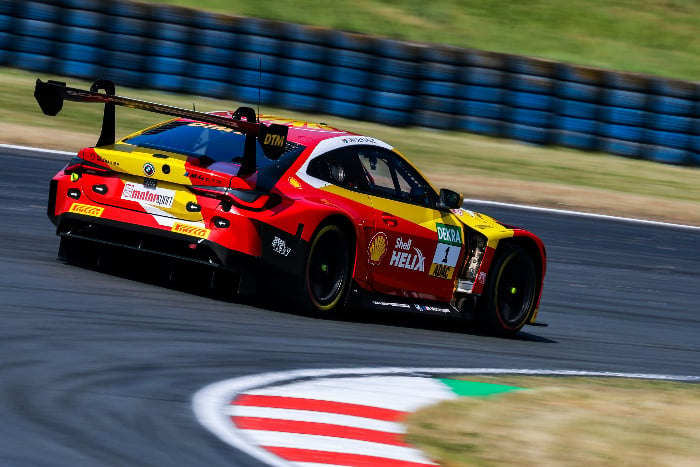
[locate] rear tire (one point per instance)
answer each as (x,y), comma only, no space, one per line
(326,275)
(510,295)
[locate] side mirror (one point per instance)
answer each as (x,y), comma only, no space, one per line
(450,199)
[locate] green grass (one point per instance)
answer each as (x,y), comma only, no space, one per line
(646,36)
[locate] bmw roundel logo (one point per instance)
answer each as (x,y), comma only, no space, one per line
(149,169)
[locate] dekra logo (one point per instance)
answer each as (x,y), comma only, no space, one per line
(449,234)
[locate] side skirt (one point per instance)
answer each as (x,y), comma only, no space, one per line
(362,299)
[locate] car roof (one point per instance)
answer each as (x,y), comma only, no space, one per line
(300,131)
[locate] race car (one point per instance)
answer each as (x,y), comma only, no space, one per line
(344,217)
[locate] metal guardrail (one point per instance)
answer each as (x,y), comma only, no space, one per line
(387,81)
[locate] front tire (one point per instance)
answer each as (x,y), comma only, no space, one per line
(326,275)
(510,295)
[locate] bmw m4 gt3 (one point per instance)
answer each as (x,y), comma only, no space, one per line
(345,216)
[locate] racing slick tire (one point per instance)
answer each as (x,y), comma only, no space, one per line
(326,273)
(510,295)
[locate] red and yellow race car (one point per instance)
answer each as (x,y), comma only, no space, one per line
(351,220)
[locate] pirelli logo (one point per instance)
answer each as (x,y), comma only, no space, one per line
(192,230)
(86,210)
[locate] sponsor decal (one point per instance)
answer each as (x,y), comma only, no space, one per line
(91,156)
(444,261)
(401,245)
(481,278)
(149,169)
(441,271)
(450,234)
(431,308)
(202,178)
(280,246)
(274,140)
(393,304)
(86,210)
(160,197)
(447,251)
(94,97)
(192,230)
(110,162)
(358,139)
(377,248)
(462,212)
(406,260)
(294,182)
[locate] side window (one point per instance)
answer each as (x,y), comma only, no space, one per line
(391,177)
(340,168)
(380,173)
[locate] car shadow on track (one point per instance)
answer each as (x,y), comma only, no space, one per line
(219,285)
(432,323)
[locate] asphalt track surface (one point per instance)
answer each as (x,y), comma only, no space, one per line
(100,369)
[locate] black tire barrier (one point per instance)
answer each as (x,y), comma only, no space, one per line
(312,69)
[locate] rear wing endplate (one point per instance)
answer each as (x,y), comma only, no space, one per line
(50,96)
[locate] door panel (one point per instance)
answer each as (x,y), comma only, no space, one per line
(417,262)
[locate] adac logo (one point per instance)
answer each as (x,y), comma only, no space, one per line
(377,248)
(86,210)
(191,230)
(149,169)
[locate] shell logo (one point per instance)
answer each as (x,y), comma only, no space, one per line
(86,210)
(377,248)
(192,230)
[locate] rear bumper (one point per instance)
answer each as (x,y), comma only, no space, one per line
(245,243)
(151,241)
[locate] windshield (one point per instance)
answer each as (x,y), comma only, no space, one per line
(207,142)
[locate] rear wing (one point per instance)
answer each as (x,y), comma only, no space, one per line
(272,138)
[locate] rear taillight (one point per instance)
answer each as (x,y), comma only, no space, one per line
(89,162)
(250,200)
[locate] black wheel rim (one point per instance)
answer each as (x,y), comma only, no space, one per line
(515,291)
(327,269)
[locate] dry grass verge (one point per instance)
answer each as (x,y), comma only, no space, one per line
(565,422)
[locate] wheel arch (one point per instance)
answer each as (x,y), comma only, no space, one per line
(346,225)
(536,250)
(337,299)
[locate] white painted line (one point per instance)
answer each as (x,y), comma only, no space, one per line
(473,201)
(32,149)
(577,214)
